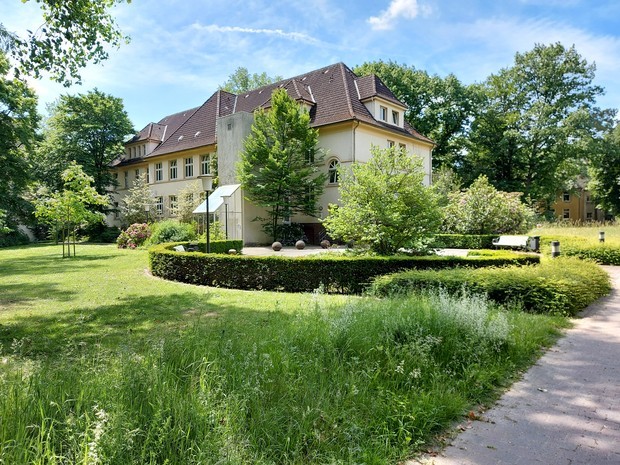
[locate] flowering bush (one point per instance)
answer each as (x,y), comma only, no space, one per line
(134,236)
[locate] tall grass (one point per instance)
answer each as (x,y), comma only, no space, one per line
(586,231)
(101,363)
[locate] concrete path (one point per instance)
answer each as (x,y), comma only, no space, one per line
(565,410)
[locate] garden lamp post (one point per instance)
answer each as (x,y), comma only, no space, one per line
(147,208)
(226,199)
(207,186)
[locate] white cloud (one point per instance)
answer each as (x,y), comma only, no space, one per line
(407,9)
(296,36)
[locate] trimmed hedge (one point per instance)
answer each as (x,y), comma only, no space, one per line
(604,254)
(463,241)
(559,286)
(331,272)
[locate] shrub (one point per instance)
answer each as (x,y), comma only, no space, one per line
(171,231)
(334,273)
(463,241)
(12,238)
(134,236)
(560,286)
(580,247)
(102,233)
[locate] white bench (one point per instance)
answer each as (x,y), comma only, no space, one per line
(179,248)
(512,241)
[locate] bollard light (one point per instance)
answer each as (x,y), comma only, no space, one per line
(555,249)
(601,236)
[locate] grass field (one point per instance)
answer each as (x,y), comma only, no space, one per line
(102,363)
(588,232)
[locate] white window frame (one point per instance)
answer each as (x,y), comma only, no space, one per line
(173,205)
(205,164)
(566,196)
(333,177)
(189,167)
(396,117)
(174,170)
(383,113)
(566,214)
(159,205)
(159,172)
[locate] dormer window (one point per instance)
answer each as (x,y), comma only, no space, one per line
(395,118)
(383,113)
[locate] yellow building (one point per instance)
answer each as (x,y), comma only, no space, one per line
(577,206)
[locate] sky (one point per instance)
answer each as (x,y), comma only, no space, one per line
(181,51)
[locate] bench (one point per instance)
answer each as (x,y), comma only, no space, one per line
(522,242)
(179,248)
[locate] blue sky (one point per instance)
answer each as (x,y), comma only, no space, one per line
(180,51)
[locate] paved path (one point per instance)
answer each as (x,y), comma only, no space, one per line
(565,410)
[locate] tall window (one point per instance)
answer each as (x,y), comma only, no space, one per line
(174,205)
(391,143)
(159,172)
(566,214)
(395,117)
(189,167)
(566,197)
(332,171)
(159,205)
(137,173)
(383,113)
(126,183)
(205,164)
(173,169)
(148,174)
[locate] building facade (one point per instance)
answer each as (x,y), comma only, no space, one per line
(351,113)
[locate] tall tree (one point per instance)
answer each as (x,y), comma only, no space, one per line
(73,34)
(384,204)
(531,131)
(86,128)
(242,81)
(604,171)
(18,124)
(139,198)
(279,168)
(440,108)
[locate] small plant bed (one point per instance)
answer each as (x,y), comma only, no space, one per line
(331,272)
(102,362)
(561,286)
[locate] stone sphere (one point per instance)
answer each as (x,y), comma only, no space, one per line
(325,244)
(232,252)
(277,246)
(300,244)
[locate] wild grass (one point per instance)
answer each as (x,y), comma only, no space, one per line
(586,231)
(102,363)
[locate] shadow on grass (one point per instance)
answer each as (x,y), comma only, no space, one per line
(14,294)
(49,264)
(130,320)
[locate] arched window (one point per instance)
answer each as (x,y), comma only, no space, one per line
(332,171)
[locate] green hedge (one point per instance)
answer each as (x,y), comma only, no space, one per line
(332,272)
(559,286)
(13,238)
(605,254)
(463,241)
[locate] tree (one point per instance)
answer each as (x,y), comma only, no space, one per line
(384,204)
(135,203)
(74,207)
(18,124)
(88,129)
(482,209)
(73,34)
(440,108)
(604,171)
(242,81)
(279,166)
(189,199)
(533,126)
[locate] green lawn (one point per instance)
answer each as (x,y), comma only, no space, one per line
(587,232)
(102,363)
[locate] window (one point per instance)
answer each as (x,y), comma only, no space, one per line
(395,117)
(126,179)
(391,143)
(116,212)
(383,113)
(137,173)
(566,214)
(173,169)
(134,152)
(172,202)
(159,172)
(588,215)
(402,146)
(148,175)
(566,197)
(189,167)
(332,171)
(310,156)
(159,205)
(205,164)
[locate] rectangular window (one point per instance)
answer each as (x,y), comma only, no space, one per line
(205,164)
(148,174)
(402,146)
(189,167)
(566,214)
(137,173)
(391,143)
(159,172)
(173,169)
(172,202)
(383,113)
(589,215)
(126,183)
(395,118)
(116,212)
(566,197)
(159,205)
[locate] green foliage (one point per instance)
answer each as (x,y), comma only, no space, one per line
(607,253)
(561,286)
(333,273)
(604,171)
(73,34)
(445,182)
(134,236)
(138,197)
(171,231)
(279,168)
(242,81)
(18,124)
(463,241)
(102,233)
(481,209)
(189,199)
(384,204)
(533,126)
(11,238)
(440,108)
(88,129)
